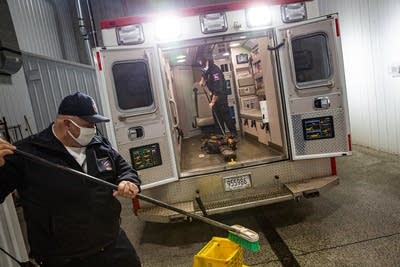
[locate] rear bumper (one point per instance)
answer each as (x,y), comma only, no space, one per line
(251,198)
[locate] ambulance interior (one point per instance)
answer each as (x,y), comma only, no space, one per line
(253,101)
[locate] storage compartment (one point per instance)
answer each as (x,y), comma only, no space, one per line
(249,90)
(249,102)
(245,81)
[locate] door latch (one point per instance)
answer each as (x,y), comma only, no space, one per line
(135,133)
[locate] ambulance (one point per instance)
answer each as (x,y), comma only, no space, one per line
(284,77)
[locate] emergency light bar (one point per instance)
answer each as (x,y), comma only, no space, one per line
(213,22)
(167,28)
(129,35)
(293,12)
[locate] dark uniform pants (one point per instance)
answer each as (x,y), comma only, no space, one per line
(221,111)
(119,254)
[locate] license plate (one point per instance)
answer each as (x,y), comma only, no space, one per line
(237,182)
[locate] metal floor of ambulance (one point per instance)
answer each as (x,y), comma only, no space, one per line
(194,159)
(355,224)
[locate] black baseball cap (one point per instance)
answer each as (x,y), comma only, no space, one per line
(82,106)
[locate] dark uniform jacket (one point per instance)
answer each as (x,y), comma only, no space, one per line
(215,80)
(67,215)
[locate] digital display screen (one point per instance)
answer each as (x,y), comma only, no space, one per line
(144,157)
(242,58)
(318,128)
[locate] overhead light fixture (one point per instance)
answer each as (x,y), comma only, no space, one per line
(226,54)
(181,60)
(258,16)
(130,35)
(167,28)
(234,44)
(181,57)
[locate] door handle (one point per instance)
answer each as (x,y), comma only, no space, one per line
(176,123)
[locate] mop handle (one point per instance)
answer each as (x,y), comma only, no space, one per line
(213,111)
(115,187)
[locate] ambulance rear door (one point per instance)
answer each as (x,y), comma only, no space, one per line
(139,112)
(312,78)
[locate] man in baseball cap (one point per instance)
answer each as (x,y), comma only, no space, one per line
(70,221)
(82,106)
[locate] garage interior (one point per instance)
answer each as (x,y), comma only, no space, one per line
(356,223)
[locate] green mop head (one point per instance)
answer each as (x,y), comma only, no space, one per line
(245,238)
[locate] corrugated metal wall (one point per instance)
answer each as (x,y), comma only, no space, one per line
(11,238)
(51,80)
(15,103)
(66,29)
(370,48)
(36,27)
(45,28)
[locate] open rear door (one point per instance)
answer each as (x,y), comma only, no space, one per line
(140,127)
(314,88)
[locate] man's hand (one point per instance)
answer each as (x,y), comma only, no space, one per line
(211,104)
(5,149)
(202,82)
(126,189)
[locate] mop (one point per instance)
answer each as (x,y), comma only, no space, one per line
(243,236)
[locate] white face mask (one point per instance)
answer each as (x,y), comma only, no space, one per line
(85,136)
(206,66)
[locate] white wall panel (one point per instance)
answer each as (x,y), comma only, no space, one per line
(67,36)
(36,27)
(11,238)
(370,48)
(15,103)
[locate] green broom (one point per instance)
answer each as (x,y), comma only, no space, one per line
(242,236)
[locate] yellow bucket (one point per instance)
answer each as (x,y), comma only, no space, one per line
(219,252)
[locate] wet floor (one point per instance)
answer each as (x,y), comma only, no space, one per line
(355,224)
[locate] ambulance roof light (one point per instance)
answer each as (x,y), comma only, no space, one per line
(293,12)
(130,35)
(258,16)
(167,27)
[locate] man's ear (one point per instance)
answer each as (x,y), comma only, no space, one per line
(67,123)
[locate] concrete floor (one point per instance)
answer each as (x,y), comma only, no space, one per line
(355,224)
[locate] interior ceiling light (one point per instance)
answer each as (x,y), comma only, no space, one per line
(258,16)
(181,60)
(181,57)
(234,44)
(226,54)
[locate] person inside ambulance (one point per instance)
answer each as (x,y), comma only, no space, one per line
(213,77)
(70,220)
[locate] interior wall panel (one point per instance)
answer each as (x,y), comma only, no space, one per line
(370,51)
